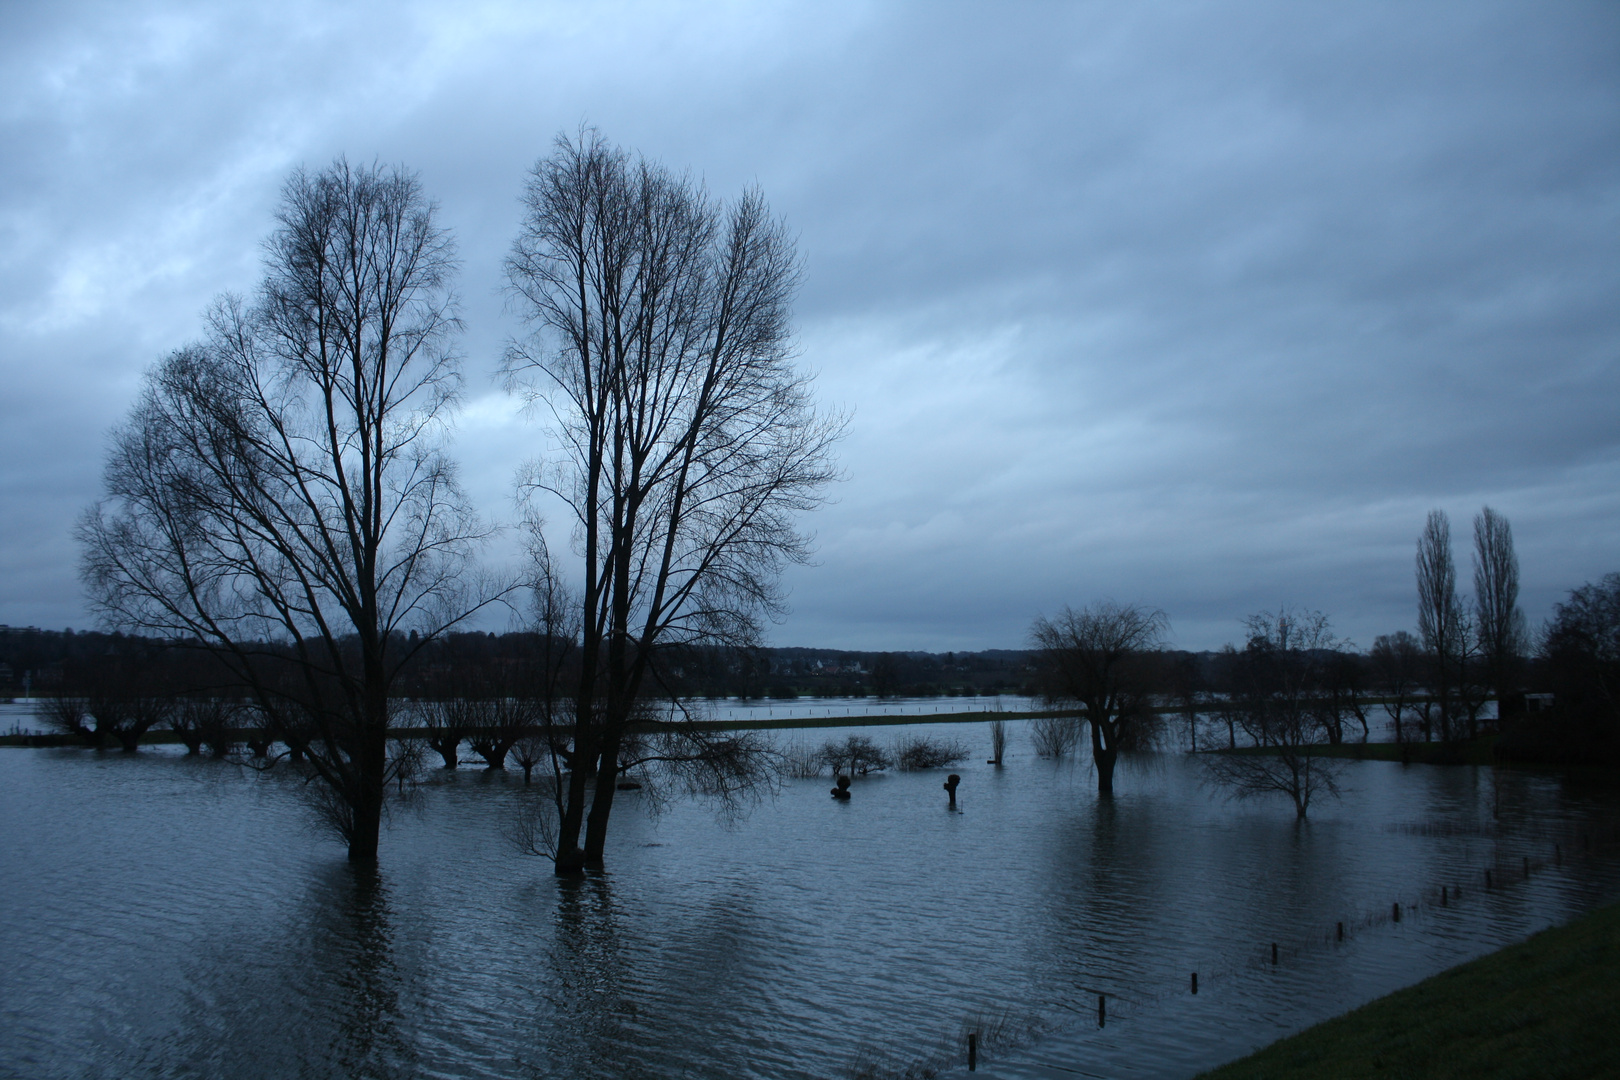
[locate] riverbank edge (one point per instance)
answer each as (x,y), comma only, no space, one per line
(1546,1007)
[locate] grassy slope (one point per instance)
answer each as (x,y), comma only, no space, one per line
(1548,1007)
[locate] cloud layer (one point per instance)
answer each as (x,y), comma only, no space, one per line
(1198,306)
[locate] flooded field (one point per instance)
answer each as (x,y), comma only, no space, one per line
(181,918)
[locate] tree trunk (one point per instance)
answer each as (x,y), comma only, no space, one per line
(607,773)
(449,750)
(1103,757)
(570,859)
(367,831)
(370,765)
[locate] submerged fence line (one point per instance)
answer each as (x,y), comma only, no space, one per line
(979,1041)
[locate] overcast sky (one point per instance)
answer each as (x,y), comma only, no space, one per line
(1203,306)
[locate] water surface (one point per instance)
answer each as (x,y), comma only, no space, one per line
(175,917)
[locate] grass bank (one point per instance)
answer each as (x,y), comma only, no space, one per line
(1547,1007)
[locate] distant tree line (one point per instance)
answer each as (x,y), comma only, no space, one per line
(462,664)
(1294,686)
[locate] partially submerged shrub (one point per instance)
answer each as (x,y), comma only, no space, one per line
(803,762)
(1054,736)
(917,752)
(856,754)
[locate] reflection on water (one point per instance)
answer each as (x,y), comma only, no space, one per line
(168,917)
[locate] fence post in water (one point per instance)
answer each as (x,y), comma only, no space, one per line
(1341,931)
(1487,879)
(1396,911)
(1102,1010)
(973,1052)
(1442,896)
(1274,952)
(1195,982)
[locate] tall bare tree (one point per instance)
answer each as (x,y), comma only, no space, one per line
(1440,617)
(1100,657)
(1500,623)
(279,491)
(661,351)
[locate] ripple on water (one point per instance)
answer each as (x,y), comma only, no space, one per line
(172,917)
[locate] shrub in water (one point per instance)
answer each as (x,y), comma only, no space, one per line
(918,752)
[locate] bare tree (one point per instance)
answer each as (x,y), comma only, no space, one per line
(1054,736)
(1279,690)
(279,492)
(1228,685)
(998,741)
(1440,616)
(448,722)
(126,702)
(1099,658)
(1396,664)
(661,353)
(915,753)
(201,721)
(1344,682)
(1500,623)
(857,754)
(68,712)
(556,624)
(1184,679)
(529,752)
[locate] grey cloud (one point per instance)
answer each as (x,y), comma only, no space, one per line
(1199,305)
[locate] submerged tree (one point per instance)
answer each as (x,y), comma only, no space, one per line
(1279,691)
(1101,658)
(661,352)
(857,754)
(279,492)
(1396,667)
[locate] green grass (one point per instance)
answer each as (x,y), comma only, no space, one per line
(1548,1007)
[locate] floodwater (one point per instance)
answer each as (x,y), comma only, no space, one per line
(180,918)
(830,709)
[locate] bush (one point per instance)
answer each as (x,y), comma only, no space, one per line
(803,762)
(856,754)
(918,752)
(1054,736)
